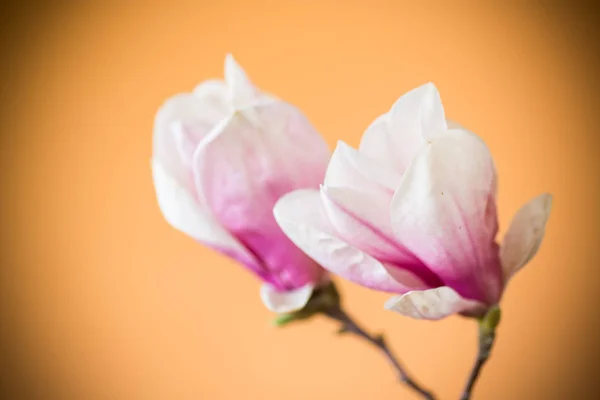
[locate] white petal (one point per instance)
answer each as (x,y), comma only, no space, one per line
(214,94)
(285,302)
(524,237)
(300,216)
(378,143)
(397,137)
(211,88)
(181,209)
(181,113)
(419,110)
(186,139)
(352,169)
(234,74)
(444,212)
(433,304)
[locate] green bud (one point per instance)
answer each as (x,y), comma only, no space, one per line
(490,321)
(283,319)
(323,298)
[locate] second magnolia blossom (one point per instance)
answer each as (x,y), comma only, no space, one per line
(413,212)
(223,155)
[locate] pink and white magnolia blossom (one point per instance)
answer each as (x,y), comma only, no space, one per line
(222,157)
(413,212)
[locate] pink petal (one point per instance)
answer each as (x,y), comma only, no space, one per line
(283,302)
(352,169)
(524,237)
(444,212)
(396,137)
(300,216)
(433,304)
(182,211)
(245,165)
(362,219)
(185,119)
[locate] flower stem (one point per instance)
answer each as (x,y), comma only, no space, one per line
(487,336)
(350,326)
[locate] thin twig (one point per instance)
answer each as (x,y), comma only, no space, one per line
(350,326)
(486,341)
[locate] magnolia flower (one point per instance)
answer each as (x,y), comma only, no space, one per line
(413,212)
(223,155)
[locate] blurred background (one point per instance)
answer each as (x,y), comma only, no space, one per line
(102,299)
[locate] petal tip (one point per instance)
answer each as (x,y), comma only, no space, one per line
(431,304)
(285,302)
(230,61)
(233,70)
(287,203)
(525,234)
(339,145)
(280,206)
(391,302)
(428,88)
(548,200)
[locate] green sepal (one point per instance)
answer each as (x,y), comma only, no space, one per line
(322,299)
(490,321)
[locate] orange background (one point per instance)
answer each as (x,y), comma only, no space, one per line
(101,299)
